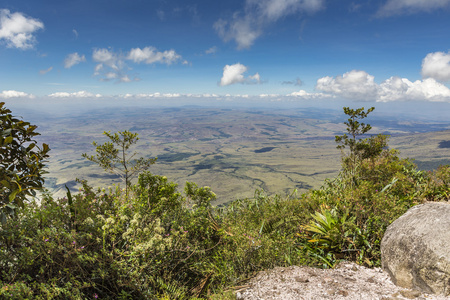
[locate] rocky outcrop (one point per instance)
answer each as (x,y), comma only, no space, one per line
(348,281)
(415,249)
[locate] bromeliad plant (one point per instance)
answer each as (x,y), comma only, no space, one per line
(332,235)
(327,229)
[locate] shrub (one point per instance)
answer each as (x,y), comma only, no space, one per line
(103,243)
(373,189)
(21,163)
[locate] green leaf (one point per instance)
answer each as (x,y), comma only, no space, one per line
(69,196)
(5,184)
(394,180)
(12,196)
(3,218)
(8,140)
(262,227)
(11,206)
(6,132)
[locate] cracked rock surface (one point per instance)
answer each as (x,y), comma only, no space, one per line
(347,281)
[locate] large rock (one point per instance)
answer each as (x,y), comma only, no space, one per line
(415,249)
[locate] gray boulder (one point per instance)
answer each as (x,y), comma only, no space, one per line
(415,249)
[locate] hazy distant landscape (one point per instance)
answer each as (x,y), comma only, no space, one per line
(235,151)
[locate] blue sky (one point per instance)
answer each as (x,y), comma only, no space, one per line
(286,50)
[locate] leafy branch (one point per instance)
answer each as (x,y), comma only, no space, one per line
(114,156)
(21,162)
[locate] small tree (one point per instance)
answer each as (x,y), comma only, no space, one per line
(354,128)
(113,156)
(359,149)
(21,162)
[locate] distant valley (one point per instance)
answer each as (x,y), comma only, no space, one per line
(234,151)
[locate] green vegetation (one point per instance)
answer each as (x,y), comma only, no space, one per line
(360,150)
(114,157)
(155,242)
(21,163)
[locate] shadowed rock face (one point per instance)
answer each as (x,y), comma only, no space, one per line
(415,249)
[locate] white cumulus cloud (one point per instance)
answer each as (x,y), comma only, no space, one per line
(114,66)
(268,95)
(106,57)
(355,84)
(428,89)
(73,59)
(155,95)
(402,89)
(240,29)
(126,78)
(15,94)
(244,27)
(360,86)
(150,55)
(111,75)
(308,96)
(235,74)
(437,65)
(80,94)
(17,30)
(111,66)
(255,78)
(396,7)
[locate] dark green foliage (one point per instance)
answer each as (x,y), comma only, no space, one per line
(21,163)
(354,128)
(359,149)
